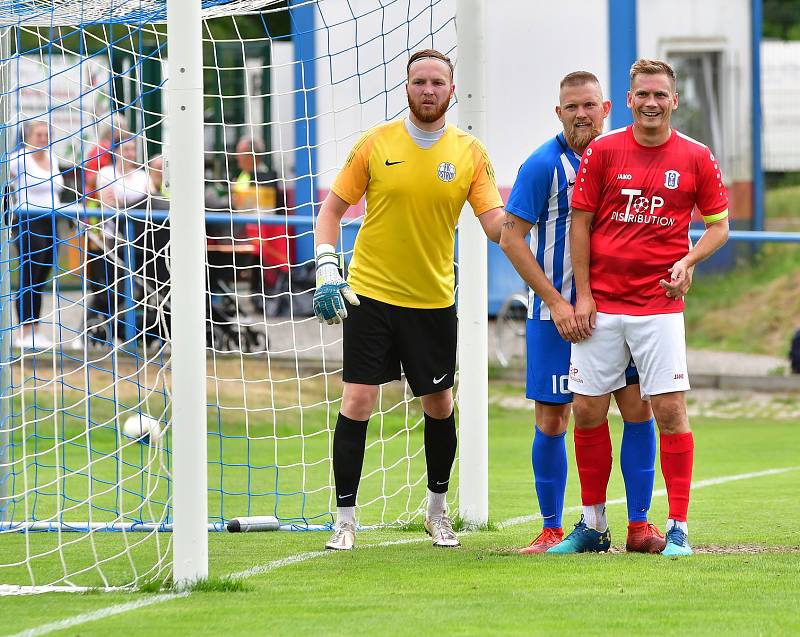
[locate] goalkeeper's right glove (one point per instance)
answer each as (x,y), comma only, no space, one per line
(331,287)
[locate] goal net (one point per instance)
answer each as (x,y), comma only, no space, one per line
(86,441)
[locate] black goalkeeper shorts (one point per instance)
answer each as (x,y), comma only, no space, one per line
(380,338)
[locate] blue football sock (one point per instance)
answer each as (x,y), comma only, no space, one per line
(549,459)
(637,459)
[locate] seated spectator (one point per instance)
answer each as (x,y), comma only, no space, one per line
(36,186)
(158,198)
(102,155)
(156,170)
(125,182)
(257,186)
(257,190)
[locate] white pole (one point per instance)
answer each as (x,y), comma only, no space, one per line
(473,387)
(187,260)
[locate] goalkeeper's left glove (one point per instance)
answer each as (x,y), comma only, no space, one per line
(331,287)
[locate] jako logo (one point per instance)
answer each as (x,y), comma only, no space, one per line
(678,377)
(624,176)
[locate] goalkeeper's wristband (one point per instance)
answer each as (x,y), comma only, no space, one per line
(326,253)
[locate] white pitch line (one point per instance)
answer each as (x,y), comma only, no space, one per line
(286,561)
(63,624)
(310,555)
(7,590)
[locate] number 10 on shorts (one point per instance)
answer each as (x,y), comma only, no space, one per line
(560,384)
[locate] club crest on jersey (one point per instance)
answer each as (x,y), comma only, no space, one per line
(446,171)
(671,179)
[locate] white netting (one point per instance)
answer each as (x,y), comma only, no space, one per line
(45,13)
(287,93)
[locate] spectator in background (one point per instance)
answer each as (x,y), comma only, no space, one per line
(257,185)
(257,190)
(156,171)
(36,186)
(124,183)
(158,198)
(102,155)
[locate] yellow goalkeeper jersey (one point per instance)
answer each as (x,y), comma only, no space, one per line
(404,250)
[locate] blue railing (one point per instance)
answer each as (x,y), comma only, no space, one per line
(79,214)
(503,279)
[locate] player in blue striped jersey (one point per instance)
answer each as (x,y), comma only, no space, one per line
(539,203)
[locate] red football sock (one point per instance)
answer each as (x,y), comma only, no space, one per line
(593,455)
(677,456)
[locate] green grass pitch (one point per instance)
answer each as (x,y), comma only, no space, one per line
(743,579)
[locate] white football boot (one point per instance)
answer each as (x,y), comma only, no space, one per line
(440,528)
(343,538)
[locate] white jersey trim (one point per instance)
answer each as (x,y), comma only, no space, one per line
(612,132)
(689,139)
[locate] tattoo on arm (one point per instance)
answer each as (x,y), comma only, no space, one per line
(509,222)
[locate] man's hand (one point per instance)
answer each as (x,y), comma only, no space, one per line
(563,315)
(331,287)
(680,280)
(585,316)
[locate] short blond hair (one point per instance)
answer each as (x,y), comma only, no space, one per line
(643,66)
(578,78)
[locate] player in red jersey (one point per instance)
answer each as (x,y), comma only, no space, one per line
(632,207)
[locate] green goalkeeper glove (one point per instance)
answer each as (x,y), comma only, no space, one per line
(331,287)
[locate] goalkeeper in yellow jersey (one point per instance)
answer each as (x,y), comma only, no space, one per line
(399,296)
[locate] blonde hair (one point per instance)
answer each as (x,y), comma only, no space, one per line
(578,78)
(644,66)
(27,128)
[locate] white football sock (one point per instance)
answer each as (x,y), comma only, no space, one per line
(437,503)
(683,526)
(595,517)
(346,514)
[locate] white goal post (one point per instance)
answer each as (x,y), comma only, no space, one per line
(187,242)
(473,388)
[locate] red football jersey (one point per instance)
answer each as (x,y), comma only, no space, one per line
(642,198)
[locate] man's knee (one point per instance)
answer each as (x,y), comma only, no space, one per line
(358,400)
(670,413)
(590,411)
(438,405)
(552,419)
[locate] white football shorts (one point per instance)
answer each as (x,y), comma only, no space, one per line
(657,344)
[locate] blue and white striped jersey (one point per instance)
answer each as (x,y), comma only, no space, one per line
(541,195)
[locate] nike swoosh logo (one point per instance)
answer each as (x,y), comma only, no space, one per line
(571,183)
(342,497)
(436,381)
(445,482)
(392,163)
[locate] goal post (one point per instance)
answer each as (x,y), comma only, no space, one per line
(473,326)
(185,182)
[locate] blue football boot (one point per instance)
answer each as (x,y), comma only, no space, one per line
(677,543)
(583,540)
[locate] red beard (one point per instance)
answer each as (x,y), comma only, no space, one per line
(427,116)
